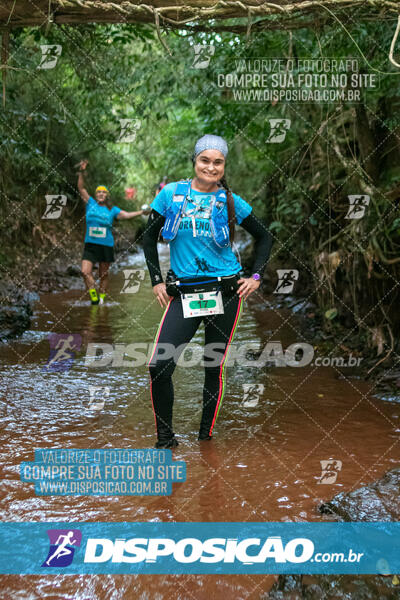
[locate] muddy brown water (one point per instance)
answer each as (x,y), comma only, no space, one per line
(262,465)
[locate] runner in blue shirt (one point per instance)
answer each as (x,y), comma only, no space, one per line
(197,218)
(99,241)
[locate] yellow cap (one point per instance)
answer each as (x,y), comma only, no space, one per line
(101,188)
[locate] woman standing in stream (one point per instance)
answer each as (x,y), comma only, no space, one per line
(197,218)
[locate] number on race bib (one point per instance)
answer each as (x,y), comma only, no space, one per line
(198,305)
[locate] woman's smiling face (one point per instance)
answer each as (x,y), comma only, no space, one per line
(101,196)
(209,166)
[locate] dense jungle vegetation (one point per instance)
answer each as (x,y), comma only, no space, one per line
(52,118)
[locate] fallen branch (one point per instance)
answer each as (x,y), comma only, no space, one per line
(24,13)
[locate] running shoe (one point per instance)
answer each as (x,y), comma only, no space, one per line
(93,296)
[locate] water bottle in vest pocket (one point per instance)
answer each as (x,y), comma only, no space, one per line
(174,212)
(219,223)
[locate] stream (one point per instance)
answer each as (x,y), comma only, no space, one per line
(263,463)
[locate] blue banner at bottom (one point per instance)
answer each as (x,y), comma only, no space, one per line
(201,548)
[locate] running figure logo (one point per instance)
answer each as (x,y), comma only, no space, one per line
(202,56)
(202,265)
(62,351)
(50,54)
(330,470)
(286,280)
(252,393)
(279,129)
(62,547)
(133,277)
(97,397)
(54,206)
(128,131)
(357,207)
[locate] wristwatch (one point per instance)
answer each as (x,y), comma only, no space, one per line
(256,276)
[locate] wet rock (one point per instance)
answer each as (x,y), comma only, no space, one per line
(287,587)
(126,241)
(333,587)
(348,373)
(378,501)
(31,297)
(15,310)
(390,375)
(13,321)
(73,271)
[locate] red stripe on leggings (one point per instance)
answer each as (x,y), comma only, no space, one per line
(221,386)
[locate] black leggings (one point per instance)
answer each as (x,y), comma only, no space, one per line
(176,330)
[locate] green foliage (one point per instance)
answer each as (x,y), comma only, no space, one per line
(55,117)
(299,187)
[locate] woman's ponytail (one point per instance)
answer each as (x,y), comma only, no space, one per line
(231,209)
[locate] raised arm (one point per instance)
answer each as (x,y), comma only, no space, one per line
(81,181)
(123,214)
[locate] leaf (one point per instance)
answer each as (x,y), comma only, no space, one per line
(275,225)
(331,313)
(395,224)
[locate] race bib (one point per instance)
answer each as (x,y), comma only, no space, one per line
(202,304)
(98,232)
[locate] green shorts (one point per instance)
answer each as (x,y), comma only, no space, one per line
(98,253)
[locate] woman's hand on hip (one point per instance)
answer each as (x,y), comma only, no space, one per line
(160,293)
(247,286)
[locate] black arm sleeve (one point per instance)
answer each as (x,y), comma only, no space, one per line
(263,243)
(150,238)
